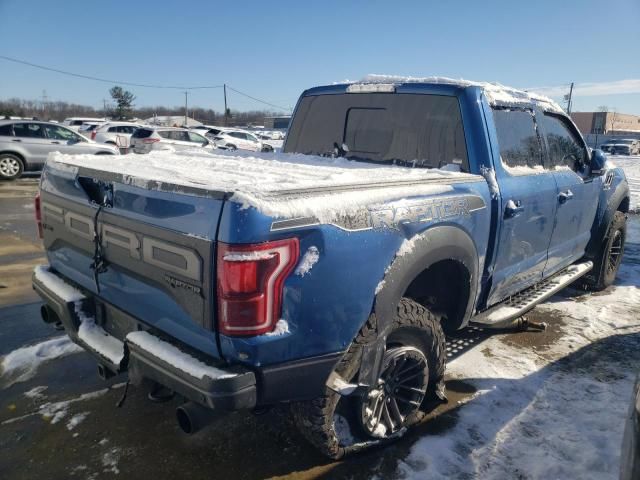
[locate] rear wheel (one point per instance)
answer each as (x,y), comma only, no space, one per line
(607,263)
(11,166)
(413,366)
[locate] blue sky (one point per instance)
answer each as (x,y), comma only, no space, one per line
(275,49)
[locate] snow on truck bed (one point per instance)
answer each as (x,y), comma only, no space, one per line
(279,185)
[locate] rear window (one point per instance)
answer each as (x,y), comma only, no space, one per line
(411,129)
(142,133)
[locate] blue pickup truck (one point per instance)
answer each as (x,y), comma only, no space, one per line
(326,276)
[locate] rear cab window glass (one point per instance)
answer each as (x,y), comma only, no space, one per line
(565,148)
(420,130)
(519,142)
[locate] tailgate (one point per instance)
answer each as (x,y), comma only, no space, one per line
(155,255)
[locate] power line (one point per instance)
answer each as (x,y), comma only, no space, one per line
(98,79)
(143,85)
(258,100)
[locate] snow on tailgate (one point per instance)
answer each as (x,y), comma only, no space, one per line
(279,185)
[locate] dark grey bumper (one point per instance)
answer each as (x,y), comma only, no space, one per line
(235,390)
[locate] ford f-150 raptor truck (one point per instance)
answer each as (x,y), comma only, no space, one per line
(325,276)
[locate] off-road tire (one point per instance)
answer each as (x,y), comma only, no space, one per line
(315,418)
(14,166)
(602,276)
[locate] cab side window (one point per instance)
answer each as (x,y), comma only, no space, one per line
(565,150)
(520,147)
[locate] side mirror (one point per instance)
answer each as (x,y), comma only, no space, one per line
(598,161)
(205,143)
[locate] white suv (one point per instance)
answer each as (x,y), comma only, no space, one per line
(115,133)
(146,139)
(239,140)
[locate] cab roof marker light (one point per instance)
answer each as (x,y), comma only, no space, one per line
(371,88)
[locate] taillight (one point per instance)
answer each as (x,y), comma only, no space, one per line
(250,283)
(93,135)
(38,213)
(150,140)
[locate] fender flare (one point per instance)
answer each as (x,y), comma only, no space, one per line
(434,245)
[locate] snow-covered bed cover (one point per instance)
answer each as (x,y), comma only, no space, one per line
(277,184)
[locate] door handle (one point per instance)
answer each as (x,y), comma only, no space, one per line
(56,143)
(563,197)
(16,140)
(513,209)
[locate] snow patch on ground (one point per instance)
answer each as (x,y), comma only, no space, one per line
(110,461)
(36,393)
(22,364)
(56,411)
(282,327)
(343,430)
(631,167)
(557,413)
(310,258)
(175,357)
(76,420)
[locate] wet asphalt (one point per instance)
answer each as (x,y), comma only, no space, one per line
(141,439)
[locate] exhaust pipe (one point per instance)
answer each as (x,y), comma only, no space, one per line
(48,314)
(104,372)
(193,417)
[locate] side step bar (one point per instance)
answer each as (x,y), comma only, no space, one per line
(503,314)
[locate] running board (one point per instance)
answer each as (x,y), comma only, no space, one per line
(503,314)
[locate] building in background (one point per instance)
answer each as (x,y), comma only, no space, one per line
(277,122)
(606,123)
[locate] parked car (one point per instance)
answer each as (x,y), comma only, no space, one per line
(115,133)
(621,146)
(148,138)
(326,281)
(88,127)
(630,457)
(24,145)
(74,123)
(240,140)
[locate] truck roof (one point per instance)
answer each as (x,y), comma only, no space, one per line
(497,94)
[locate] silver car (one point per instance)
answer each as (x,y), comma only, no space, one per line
(25,144)
(148,138)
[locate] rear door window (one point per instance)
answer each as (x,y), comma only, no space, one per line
(6,130)
(518,139)
(28,130)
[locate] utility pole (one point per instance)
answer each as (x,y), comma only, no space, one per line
(569,99)
(44,104)
(104,107)
(225,104)
(186,106)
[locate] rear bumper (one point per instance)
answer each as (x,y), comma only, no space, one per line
(157,359)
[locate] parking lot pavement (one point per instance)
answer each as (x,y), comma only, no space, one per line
(59,420)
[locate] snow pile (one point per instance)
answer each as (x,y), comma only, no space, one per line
(36,393)
(21,364)
(54,283)
(175,357)
(495,92)
(556,412)
(309,259)
(279,185)
(631,167)
(95,337)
